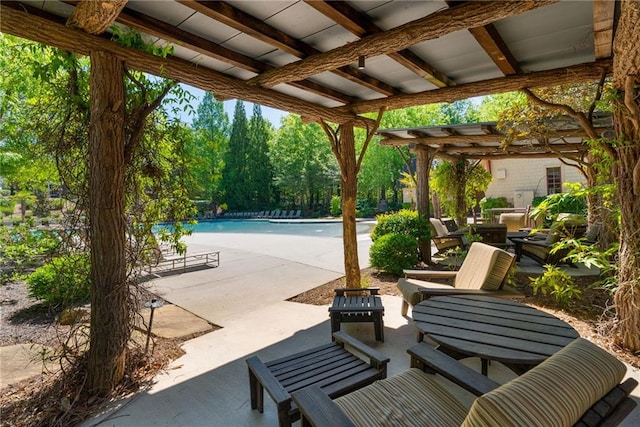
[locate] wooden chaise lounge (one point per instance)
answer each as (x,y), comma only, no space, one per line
(578,386)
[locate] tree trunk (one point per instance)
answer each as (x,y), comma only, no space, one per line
(109,305)
(423,165)
(460,168)
(626,73)
(349,195)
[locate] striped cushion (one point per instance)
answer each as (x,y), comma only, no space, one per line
(411,398)
(555,393)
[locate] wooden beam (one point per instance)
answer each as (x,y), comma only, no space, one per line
(491,41)
(479,139)
(360,25)
(496,48)
(573,74)
(155,27)
(473,14)
(95,16)
(517,156)
(534,148)
(242,21)
(603,16)
(32,27)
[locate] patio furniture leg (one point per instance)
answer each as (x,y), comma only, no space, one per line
(256,392)
(284,419)
(379,326)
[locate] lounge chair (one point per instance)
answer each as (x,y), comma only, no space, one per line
(483,272)
(580,385)
(514,220)
(539,247)
(442,239)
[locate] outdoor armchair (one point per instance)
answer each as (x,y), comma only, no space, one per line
(483,271)
(539,247)
(442,240)
(580,385)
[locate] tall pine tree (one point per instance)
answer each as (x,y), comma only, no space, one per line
(261,172)
(235,178)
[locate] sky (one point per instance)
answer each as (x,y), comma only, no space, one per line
(271,114)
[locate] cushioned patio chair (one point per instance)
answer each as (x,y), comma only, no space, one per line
(514,220)
(442,239)
(483,272)
(580,385)
(540,246)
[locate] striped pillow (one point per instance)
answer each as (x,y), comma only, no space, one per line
(411,398)
(555,393)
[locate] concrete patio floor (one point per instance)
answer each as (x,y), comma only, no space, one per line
(246,295)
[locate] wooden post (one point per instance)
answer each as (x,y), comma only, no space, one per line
(109,308)
(349,196)
(424,160)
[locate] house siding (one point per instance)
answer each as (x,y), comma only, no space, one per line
(525,176)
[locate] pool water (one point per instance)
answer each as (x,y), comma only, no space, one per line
(301,228)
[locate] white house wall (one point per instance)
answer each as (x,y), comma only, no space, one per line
(511,176)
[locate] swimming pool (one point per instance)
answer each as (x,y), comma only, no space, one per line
(319,228)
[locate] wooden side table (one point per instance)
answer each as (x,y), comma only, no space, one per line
(351,305)
(331,367)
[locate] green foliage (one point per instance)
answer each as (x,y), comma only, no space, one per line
(365,208)
(62,282)
(591,255)
(568,202)
(22,248)
(556,283)
(394,252)
(491,203)
(336,205)
(207,149)
(457,185)
(406,222)
(306,173)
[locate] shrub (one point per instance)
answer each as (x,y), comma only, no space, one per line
(336,208)
(393,253)
(491,203)
(406,222)
(62,282)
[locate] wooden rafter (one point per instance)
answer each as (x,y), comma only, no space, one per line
(359,24)
(491,41)
(95,16)
(533,148)
(54,34)
(458,18)
(479,139)
(161,29)
(241,21)
(559,76)
(603,14)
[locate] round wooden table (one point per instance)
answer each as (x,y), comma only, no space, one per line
(518,336)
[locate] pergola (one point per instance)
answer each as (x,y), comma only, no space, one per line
(328,61)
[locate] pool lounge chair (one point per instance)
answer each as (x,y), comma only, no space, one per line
(580,385)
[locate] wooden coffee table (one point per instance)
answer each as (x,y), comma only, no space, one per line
(518,336)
